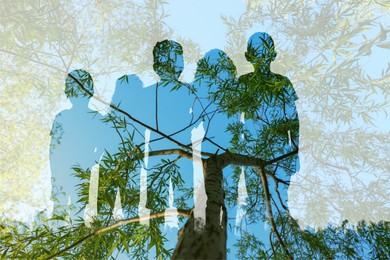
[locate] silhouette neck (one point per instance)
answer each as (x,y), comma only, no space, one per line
(80,103)
(263,68)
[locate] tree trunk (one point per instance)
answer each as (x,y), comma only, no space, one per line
(210,243)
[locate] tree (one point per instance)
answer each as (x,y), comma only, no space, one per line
(332,242)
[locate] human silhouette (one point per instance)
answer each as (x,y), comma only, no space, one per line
(215,75)
(163,106)
(173,98)
(75,136)
(268,100)
(131,97)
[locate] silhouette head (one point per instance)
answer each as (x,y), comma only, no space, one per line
(168,60)
(216,72)
(260,49)
(78,85)
(215,66)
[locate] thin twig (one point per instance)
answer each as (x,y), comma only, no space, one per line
(181,130)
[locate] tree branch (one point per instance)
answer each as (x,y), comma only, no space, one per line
(185,147)
(180,212)
(277,159)
(229,158)
(246,160)
(179,131)
(179,152)
(269,209)
(214,143)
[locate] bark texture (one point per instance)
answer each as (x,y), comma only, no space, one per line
(210,243)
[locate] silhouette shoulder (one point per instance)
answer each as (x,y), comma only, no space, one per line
(287,86)
(245,78)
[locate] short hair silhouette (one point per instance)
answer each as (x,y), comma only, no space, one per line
(168,59)
(260,49)
(78,84)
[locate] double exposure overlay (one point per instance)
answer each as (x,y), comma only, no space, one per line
(194,130)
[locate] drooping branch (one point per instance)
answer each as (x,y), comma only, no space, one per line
(186,213)
(269,209)
(259,165)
